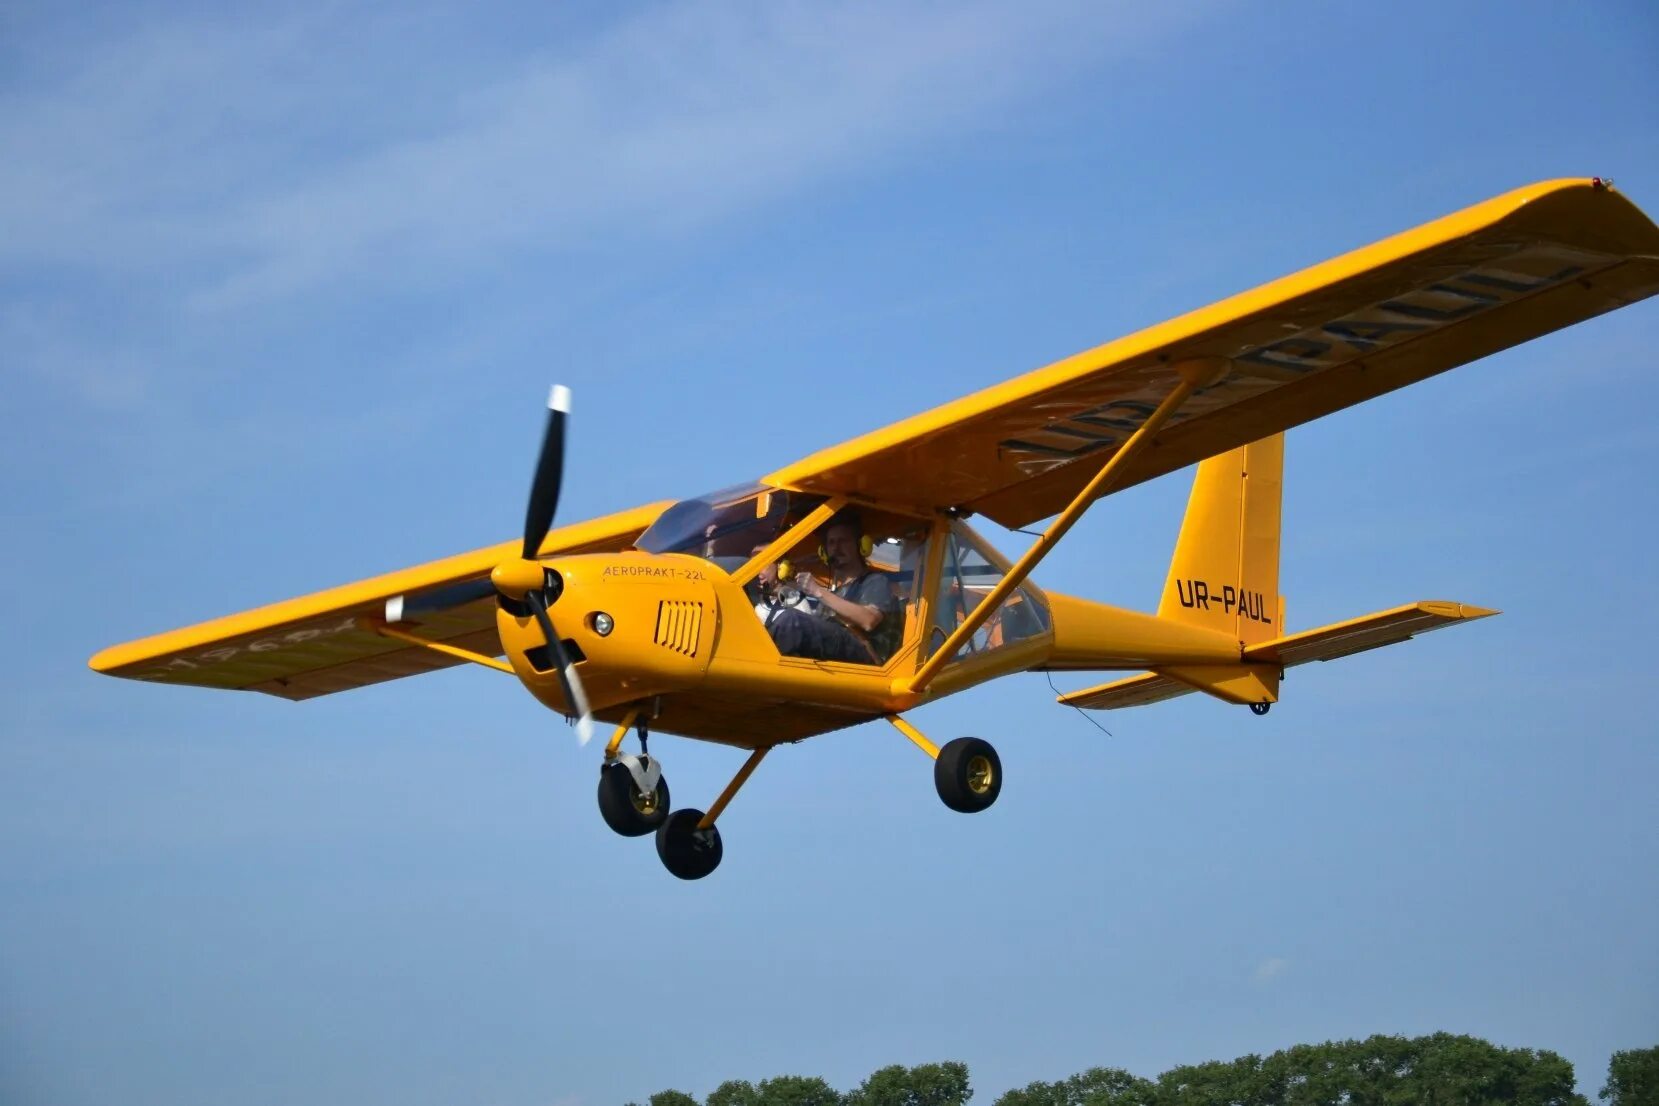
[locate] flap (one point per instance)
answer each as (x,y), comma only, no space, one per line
(315,645)
(1368,322)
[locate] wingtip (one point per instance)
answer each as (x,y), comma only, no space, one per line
(106,661)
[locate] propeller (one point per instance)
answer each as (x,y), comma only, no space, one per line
(527,578)
(550,467)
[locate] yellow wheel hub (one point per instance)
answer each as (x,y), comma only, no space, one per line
(643,802)
(980,775)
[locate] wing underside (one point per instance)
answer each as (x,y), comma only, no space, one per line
(1358,326)
(318,644)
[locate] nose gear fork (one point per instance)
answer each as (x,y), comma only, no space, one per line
(633,795)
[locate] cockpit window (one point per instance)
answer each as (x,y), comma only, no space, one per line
(966,578)
(726,526)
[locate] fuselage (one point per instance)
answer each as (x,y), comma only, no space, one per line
(687,646)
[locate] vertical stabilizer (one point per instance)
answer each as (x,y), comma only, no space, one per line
(1225,572)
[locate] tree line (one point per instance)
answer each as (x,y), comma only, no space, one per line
(1442,1069)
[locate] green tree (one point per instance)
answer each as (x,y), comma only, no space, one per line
(1095,1087)
(1453,1070)
(734,1092)
(924,1085)
(1633,1078)
(1436,1070)
(672,1098)
(796,1090)
(785,1090)
(1247,1081)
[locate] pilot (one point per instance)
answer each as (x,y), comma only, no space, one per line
(859,617)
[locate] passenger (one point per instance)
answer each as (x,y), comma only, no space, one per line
(859,617)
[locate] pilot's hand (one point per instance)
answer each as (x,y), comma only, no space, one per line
(810,585)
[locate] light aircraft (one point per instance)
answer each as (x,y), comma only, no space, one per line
(664,618)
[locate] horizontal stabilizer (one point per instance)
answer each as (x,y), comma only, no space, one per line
(1340,639)
(1135,691)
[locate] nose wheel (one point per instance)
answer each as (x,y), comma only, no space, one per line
(633,795)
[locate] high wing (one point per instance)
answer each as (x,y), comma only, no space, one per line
(316,644)
(1344,331)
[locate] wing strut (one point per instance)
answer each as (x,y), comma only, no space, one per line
(374,625)
(1195,374)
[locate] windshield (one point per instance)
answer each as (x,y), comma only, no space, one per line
(726,526)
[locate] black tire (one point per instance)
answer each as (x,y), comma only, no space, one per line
(968,775)
(685,850)
(625,808)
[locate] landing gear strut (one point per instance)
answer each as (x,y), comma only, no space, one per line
(633,796)
(688,843)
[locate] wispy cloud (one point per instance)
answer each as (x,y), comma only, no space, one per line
(1271,968)
(252,159)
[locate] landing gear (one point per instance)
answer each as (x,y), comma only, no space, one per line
(1259,709)
(967,772)
(688,849)
(968,775)
(633,796)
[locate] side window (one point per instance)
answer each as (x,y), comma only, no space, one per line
(891,567)
(966,577)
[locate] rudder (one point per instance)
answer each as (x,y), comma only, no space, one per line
(1224,574)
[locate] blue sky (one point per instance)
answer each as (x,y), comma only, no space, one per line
(280,296)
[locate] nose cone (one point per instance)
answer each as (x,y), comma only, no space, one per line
(662,616)
(514,578)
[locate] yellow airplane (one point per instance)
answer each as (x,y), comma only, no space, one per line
(849,586)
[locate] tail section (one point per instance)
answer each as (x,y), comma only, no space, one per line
(1224,578)
(1225,572)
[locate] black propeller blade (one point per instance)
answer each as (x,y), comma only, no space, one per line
(401,607)
(544,489)
(538,520)
(575,698)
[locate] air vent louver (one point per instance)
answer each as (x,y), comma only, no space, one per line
(679,626)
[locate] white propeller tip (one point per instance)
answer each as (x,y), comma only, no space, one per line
(559,399)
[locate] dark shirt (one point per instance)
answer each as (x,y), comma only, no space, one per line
(873,589)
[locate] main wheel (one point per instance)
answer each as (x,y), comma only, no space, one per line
(968,774)
(625,808)
(685,850)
